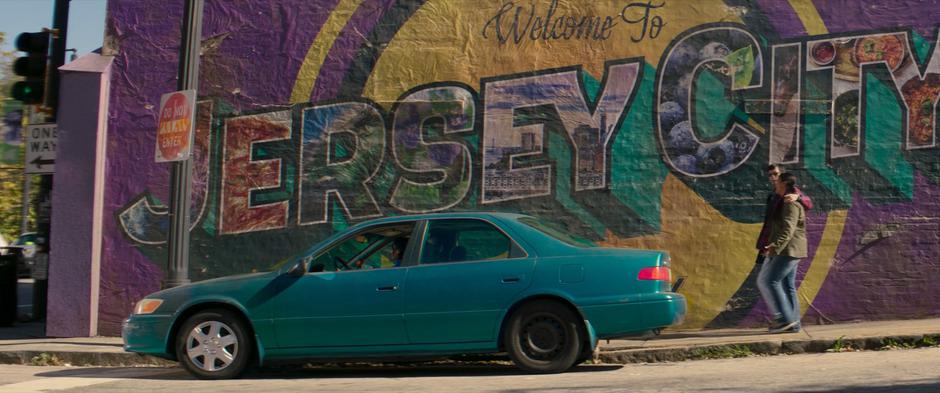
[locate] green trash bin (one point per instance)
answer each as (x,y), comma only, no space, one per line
(8,266)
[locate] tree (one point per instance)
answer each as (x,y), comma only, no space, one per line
(11,174)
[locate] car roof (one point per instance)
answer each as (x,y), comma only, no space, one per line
(432,216)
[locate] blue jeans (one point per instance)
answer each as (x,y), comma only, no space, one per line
(777,284)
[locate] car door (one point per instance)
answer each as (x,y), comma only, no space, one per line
(352,295)
(468,273)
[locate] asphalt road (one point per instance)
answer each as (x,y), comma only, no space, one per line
(910,370)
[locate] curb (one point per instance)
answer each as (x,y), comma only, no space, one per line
(764,348)
(76,358)
(613,356)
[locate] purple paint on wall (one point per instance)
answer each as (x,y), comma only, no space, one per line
(246,35)
(146,41)
(815,225)
(271,38)
(852,15)
(887,264)
(784,19)
(346,47)
(253,50)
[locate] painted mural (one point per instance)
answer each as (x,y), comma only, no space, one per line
(633,123)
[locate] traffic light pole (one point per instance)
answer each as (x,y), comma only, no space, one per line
(181,172)
(60,22)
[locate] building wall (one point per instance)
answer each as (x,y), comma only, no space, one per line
(635,124)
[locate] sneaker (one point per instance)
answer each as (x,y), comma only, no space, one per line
(776,325)
(788,328)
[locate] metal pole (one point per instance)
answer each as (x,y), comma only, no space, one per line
(24,224)
(181,173)
(60,22)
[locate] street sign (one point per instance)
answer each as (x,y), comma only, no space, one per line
(11,128)
(175,126)
(40,148)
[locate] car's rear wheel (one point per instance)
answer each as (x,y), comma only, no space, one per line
(214,344)
(543,337)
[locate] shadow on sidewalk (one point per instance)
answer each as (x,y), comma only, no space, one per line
(922,386)
(711,333)
(23,331)
(320,371)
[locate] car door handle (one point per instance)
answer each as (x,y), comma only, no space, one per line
(388,288)
(510,280)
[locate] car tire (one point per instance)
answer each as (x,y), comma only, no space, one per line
(543,337)
(214,344)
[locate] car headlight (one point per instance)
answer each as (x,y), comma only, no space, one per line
(147,306)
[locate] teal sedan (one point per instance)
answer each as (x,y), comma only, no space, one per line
(416,287)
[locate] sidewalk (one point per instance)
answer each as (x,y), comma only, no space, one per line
(24,344)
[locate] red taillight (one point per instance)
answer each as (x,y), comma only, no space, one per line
(660,273)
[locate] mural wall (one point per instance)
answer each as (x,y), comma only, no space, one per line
(635,123)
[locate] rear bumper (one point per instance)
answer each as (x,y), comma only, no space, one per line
(626,318)
(147,334)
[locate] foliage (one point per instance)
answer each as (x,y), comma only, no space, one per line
(890,343)
(928,341)
(923,342)
(840,345)
(11,177)
(7,77)
(46,359)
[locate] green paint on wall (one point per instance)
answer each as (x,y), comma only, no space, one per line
(637,171)
(921,46)
(712,109)
(559,151)
(815,146)
(884,136)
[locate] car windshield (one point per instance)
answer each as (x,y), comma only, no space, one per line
(556,231)
(25,239)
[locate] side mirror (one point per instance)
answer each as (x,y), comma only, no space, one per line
(297,270)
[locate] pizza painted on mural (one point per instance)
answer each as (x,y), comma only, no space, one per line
(646,124)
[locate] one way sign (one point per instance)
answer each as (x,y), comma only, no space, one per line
(40,148)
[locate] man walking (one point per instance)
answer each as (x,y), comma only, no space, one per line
(773,201)
(786,245)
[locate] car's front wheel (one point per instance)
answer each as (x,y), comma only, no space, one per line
(543,337)
(214,344)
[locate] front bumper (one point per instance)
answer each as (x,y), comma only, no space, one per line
(626,318)
(147,334)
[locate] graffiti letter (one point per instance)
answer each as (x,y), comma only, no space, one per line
(589,130)
(342,149)
(919,91)
(243,175)
(145,222)
(785,104)
(729,54)
(445,166)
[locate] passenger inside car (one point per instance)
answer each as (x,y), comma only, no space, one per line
(443,247)
(396,254)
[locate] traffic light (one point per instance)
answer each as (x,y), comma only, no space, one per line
(32,67)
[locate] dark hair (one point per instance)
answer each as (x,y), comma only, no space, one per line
(400,243)
(774,166)
(789,180)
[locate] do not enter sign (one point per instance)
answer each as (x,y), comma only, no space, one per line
(175,126)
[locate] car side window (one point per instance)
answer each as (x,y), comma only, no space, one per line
(374,248)
(463,240)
